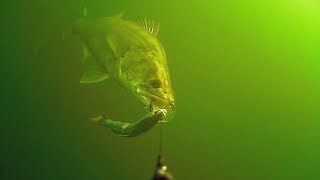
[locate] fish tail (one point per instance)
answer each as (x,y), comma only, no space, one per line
(98,119)
(76,26)
(73,29)
(117,127)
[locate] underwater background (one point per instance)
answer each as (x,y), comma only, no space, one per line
(245,75)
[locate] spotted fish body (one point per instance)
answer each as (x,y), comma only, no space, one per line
(129,53)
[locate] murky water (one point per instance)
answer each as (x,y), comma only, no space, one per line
(245,75)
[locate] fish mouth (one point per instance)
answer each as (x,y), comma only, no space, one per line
(161,101)
(155,101)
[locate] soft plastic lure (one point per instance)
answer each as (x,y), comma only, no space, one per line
(129,53)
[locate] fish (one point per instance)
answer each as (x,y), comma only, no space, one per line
(129,53)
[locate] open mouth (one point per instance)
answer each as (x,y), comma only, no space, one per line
(160,102)
(155,100)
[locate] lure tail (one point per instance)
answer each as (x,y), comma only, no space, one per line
(132,129)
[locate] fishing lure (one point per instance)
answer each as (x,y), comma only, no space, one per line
(131,54)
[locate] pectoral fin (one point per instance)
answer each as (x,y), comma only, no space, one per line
(95,72)
(114,47)
(85,54)
(93,77)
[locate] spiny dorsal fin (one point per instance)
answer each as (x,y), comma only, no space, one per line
(150,25)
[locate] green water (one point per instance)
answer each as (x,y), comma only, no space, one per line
(246,79)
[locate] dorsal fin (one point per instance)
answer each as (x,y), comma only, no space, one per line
(150,25)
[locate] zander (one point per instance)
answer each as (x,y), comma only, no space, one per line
(129,53)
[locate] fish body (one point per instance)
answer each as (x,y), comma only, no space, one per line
(131,54)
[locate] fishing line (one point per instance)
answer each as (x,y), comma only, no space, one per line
(161,138)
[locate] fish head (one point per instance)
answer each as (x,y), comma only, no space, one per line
(160,95)
(155,88)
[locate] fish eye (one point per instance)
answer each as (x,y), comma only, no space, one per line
(155,83)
